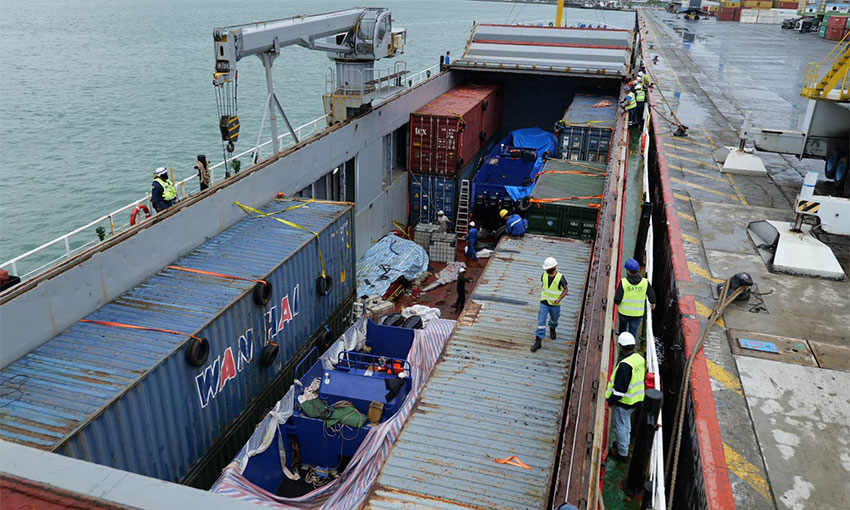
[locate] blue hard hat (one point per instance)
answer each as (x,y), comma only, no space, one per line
(632,265)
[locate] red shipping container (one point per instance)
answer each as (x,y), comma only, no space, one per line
(788,5)
(836,22)
(446,133)
(834,34)
(725,16)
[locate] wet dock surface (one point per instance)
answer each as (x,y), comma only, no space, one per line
(784,418)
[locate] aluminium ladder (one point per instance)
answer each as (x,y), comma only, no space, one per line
(462,222)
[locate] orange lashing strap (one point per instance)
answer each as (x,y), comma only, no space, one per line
(513,461)
(220,275)
(130,326)
(547,200)
(576,172)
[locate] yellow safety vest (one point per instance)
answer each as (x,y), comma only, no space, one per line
(630,101)
(551,292)
(640,95)
(634,298)
(169,192)
(645,80)
(636,390)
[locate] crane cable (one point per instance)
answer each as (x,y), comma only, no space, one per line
(723,300)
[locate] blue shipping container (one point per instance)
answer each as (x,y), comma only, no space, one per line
(128,399)
(432,193)
(585,132)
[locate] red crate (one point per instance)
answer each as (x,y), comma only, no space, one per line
(447,132)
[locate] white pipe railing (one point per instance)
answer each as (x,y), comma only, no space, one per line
(63,247)
(656,460)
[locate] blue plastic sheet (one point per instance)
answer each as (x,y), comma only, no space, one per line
(530,138)
(385,261)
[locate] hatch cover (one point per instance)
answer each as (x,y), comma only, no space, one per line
(777,348)
(834,357)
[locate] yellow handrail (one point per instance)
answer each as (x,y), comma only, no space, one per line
(816,86)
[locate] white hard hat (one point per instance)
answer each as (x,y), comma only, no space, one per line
(471,223)
(462,270)
(626,339)
(549,263)
(440,213)
(161,171)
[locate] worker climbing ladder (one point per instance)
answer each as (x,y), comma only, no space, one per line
(462,222)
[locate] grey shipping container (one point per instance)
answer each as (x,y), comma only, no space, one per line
(584,134)
(130,399)
(488,397)
(579,186)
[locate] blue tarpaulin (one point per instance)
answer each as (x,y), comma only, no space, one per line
(385,261)
(530,138)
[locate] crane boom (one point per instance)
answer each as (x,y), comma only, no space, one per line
(353,38)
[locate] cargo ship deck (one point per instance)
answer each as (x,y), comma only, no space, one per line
(772,428)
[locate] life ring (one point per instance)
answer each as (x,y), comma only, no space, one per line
(140,207)
(269,354)
(524,204)
(323,285)
(197,351)
(263,293)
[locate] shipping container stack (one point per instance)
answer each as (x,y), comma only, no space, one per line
(729,11)
(834,26)
(448,137)
(584,133)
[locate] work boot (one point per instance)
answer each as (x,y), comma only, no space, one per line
(537,344)
(552,334)
(614,454)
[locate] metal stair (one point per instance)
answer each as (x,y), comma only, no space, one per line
(835,84)
(462,221)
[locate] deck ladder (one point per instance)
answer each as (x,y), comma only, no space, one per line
(462,222)
(835,84)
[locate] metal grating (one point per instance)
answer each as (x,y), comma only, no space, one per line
(548,50)
(489,397)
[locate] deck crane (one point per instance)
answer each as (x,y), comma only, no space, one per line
(354,39)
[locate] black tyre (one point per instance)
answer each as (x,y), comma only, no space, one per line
(413,322)
(460,162)
(484,105)
(482,135)
(841,171)
(324,285)
(263,293)
(393,319)
(269,354)
(197,351)
(524,204)
(831,164)
(326,339)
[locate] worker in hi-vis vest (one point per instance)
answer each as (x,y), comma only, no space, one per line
(625,392)
(640,97)
(515,225)
(554,290)
(632,293)
(163,192)
(629,104)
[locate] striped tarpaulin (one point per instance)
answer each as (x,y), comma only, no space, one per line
(351,488)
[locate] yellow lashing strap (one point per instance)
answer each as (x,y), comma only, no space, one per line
(260,214)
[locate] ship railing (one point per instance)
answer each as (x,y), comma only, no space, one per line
(65,246)
(360,82)
(656,460)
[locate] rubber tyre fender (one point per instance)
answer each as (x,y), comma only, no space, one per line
(326,339)
(263,293)
(524,204)
(484,105)
(324,284)
(831,163)
(482,135)
(197,352)
(269,354)
(460,162)
(546,156)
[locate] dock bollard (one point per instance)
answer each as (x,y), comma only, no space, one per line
(647,424)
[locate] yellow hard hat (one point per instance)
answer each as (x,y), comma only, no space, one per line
(503,213)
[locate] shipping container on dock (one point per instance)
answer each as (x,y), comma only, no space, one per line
(487,387)
(571,217)
(729,14)
(588,123)
(446,133)
(131,399)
